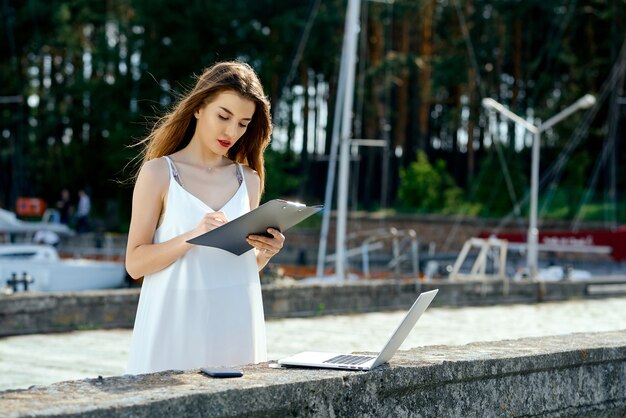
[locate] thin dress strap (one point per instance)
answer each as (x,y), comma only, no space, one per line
(173,170)
(239,173)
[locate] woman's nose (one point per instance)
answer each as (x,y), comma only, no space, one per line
(231,130)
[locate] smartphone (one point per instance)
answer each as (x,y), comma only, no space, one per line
(221,372)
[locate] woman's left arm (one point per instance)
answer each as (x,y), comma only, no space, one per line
(265,247)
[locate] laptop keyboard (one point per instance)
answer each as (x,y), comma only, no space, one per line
(349,359)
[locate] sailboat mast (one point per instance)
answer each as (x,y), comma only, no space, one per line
(341,138)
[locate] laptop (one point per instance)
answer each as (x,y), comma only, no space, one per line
(364,362)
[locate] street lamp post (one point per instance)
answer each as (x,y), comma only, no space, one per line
(532,238)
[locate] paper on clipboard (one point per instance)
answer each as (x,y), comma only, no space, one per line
(277,213)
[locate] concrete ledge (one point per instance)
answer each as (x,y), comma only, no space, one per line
(30,313)
(57,312)
(577,375)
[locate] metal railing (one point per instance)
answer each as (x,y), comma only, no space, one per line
(403,244)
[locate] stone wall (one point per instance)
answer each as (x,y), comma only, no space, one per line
(56,312)
(32,313)
(577,375)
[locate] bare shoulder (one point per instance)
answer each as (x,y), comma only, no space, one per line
(252,177)
(154,174)
(253,184)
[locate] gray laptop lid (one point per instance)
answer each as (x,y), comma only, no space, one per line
(405,327)
(323,359)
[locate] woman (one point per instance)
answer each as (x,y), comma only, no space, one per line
(202,166)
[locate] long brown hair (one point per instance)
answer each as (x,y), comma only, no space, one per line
(174,130)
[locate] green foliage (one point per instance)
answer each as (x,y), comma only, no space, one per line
(429,188)
(491,191)
(560,203)
(598,211)
(562,199)
(281,180)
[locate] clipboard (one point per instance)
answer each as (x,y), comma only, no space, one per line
(277,213)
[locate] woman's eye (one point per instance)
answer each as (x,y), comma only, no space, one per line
(241,125)
(222,117)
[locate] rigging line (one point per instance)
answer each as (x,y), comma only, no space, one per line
(564,23)
(563,26)
(492,122)
(556,170)
(546,176)
(472,57)
(550,47)
(474,62)
(554,173)
(470,47)
(477,79)
(614,117)
(549,50)
(383,119)
(608,147)
(554,45)
(589,192)
(509,182)
(304,38)
(577,135)
(35,21)
(552,51)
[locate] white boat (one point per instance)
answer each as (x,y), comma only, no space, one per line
(497,248)
(50,273)
(38,267)
(9,224)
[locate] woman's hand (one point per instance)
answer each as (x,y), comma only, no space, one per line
(267,247)
(209,222)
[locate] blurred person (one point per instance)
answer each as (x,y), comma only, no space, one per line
(64,206)
(82,211)
(203,165)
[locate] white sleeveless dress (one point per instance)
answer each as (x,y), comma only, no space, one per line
(206,308)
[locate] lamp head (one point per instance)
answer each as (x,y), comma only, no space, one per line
(586,101)
(489,102)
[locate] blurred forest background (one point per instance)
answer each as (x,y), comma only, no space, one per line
(82,80)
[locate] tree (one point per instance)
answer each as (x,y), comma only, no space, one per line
(93,75)
(428,188)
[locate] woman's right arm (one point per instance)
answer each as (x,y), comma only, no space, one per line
(142,255)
